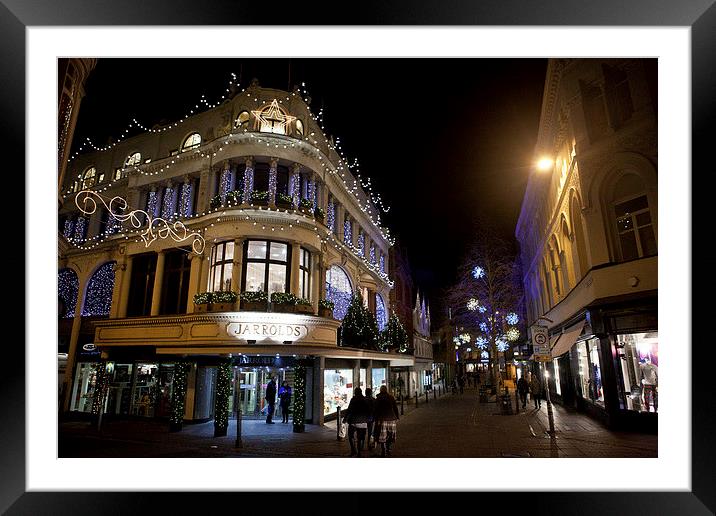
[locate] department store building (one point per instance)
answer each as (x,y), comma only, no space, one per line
(249,196)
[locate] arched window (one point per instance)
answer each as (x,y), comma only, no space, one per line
(242,121)
(299,127)
(88,178)
(67,288)
(338,290)
(635,233)
(381,314)
(273,118)
(133,160)
(192,141)
(98,300)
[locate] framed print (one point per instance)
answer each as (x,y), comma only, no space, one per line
(226,262)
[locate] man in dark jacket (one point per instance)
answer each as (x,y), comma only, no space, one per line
(357,415)
(270,400)
(370,400)
(523,388)
(386,417)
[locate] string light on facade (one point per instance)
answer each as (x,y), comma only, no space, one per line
(98,299)
(68,286)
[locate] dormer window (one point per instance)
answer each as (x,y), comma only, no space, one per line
(133,160)
(242,121)
(88,178)
(192,141)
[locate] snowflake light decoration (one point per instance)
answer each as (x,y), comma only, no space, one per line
(478,272)
(456,340)
(465,337)
(473,304)
(481,342)
(485,354)
(501,344)
(513,334)
(482,309)
(483,327)
(512,318)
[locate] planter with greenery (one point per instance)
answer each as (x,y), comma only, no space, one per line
(215,202)
(325,308)
(259,198)
(319,214)
(223,301)
(306,206)
(283,201)
(254,301)
(234,198)
(304,306)
(202,302)
(283,302)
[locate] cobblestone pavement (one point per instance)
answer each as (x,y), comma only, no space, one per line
(449,426)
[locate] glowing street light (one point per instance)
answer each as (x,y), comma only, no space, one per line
(544,164)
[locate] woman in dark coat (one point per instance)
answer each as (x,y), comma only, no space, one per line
(284,397)
(357,415)
(386,417)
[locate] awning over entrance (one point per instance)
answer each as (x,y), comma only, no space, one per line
(566,340)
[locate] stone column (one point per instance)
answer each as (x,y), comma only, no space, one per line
(158,280)
(205,188)
(369,375)
(319,366)
(295,184)
(190,392)
(273,179)
(124,287)
(74,337)
(204,276)
(248,180)
(194,274)
(238,265)
(119,278)
(295,268)
(356,373)
(339,220)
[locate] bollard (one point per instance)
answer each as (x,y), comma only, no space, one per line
(338,424)
(238,443)
(426,397)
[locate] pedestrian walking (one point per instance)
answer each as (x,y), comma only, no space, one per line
(284,397)
(536,391)
(461,383)
(386,417)
(356,415)
(270,400)
(454,385)
(523,388)
(370,400)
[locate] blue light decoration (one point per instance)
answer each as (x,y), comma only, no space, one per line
(380,313)
(478,272)
(169,203)
(225,183)
(98,300)
(512,318)
(481,342)
(80,229)
(185,204)
(485,354)
(272,182)
(68,285)
(312,192)
(331,216)
(502,344)
(294,187)
(113,224)
(152,202)
(338,290)
(382,263)
(347,232)
(360,247)
(372,254)
(248,184)
(69,228)
(482,309)
(483,327)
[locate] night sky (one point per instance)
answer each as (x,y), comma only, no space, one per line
(445,141)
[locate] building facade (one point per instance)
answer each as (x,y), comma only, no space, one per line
(215,242)
(588,238)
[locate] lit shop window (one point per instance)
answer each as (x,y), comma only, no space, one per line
(638,359)
(557,386)
(590,371)
(192,141)
(84,387)
(379,378)
(88,178)
(222,263)
(337,389)
(133,160)
(338,290)
(266,266)
(304,271)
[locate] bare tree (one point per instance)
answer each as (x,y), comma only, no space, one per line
(486,300)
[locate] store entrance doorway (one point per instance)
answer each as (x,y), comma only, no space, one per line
(250,390)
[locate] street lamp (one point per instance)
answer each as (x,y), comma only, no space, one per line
(544,164)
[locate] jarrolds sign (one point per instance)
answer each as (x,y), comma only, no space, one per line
(259,331)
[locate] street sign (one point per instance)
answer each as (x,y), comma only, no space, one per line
(540,343)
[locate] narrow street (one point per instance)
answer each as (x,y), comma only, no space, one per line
(450,426)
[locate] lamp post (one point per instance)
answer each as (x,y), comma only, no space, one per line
(550,415)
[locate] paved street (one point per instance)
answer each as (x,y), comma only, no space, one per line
(450,426)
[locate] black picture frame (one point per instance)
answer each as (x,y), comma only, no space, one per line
(699,15)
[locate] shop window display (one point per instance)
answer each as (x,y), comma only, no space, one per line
(638,365)
(337,389)
(590,371)
(151,394)
(557,386)
(85,382)
(378,378)
(118,391)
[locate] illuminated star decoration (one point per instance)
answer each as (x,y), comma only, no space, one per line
(272,119)
(473,304)
(513,334)
(478,272)
(512,318)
